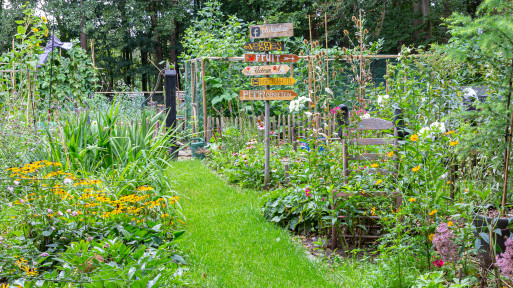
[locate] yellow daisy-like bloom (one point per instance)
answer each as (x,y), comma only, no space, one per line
(412,199)
(449,132)
(37,44)
(378,182)
(450,223)
(454,143)
(46,33)
(164,215)
(390,154)
(433,212)
(44,19)
(374,165)
(466,190)
(431,236)
(414,137)
(35,30)
(415,169)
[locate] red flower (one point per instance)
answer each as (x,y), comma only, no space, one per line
(438,263)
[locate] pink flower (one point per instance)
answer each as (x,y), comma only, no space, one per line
(74,213)
(438,263)
(505,260)
(16,183)
(9,204)
(261,127)
(21,201)
(444,243)
(250,147)
(10,189)
(235,154)
(69,210)
(323,199)
(49,210)
(335,110)
(44,254)
(307,192)
(53,228)
(60,213)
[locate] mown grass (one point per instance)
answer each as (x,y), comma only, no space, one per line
(230,244)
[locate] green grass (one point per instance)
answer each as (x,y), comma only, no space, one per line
(230,244)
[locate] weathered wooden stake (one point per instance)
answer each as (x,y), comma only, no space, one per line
(170,82)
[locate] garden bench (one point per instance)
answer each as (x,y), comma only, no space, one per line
(347,133)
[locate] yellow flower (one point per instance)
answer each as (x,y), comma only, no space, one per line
(450,223)
(466,190)
(374,165)
(390,154)
(414,137)
(449,132)
(46,33)
(431,236)
(412,199)
(415,169)
(164,215)
(37,44)
(433,212)
(453,143)
(35,30)
(44,19)
(378,182)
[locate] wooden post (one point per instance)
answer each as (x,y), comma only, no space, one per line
(289,129)
(278,131)
(204,97)
(287,180)
(170,97)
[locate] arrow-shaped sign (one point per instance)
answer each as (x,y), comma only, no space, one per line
(265,70)
(272,81)
(267,95)
(270,58)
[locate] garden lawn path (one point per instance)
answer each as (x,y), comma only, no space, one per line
(228,241)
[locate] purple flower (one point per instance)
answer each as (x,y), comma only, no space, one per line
(444,243)
(60,213)
(505,260)
(74,213)
(53,228)
(9,204)
(44,254)
(10,189)
(21,201)
(49,210)
(69,210)
(16,182)
(107,245)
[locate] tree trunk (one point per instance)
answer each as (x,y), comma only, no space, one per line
(425,7)
(83,37)
(158,44)
(418,20)
(173,50)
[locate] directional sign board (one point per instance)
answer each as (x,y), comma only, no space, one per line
(272,81)
(267,95)
(271,30)
(265,70)
(264,46)
(271,58)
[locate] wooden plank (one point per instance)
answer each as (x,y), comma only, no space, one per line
(267,95)
(265,70)
(283,58)
(370,141)
(289,129)
(271,30)
(209,128)
(373,124)
(278,132)
(366,156)
(272,81)
(263,46)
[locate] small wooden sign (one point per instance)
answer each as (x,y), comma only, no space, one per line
(265,70)
(271,30)
(272,81)
(267,95)
(264,46)
(271,58)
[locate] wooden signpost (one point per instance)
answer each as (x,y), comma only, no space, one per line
(268,31)
(287,58)
(271,30)
(265,70)
(264,46)
(267,95)
(272,81)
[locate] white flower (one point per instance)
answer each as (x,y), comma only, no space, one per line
(296,105)
(382,99)
(469,92)
(439,126)
(68,181)
(424,131)
(60,213)
(16,182)
(366,116)
(94,123)
(308,114)
(10,189)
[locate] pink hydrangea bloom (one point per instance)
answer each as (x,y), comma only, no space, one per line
(505,260)
(444,243)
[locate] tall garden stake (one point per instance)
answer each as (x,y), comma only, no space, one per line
(508,149)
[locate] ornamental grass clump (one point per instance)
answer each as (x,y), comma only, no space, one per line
(505,260)
(444,243)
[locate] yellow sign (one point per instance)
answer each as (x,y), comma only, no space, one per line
(267,95)
(272,81)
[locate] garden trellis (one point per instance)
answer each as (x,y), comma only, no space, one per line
(205,87)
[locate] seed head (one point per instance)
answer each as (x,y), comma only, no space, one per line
(353,18)
(346,32)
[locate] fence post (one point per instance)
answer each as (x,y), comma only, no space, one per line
(170,83)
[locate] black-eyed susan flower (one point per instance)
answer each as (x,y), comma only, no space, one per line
(415,169)
(414,137)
